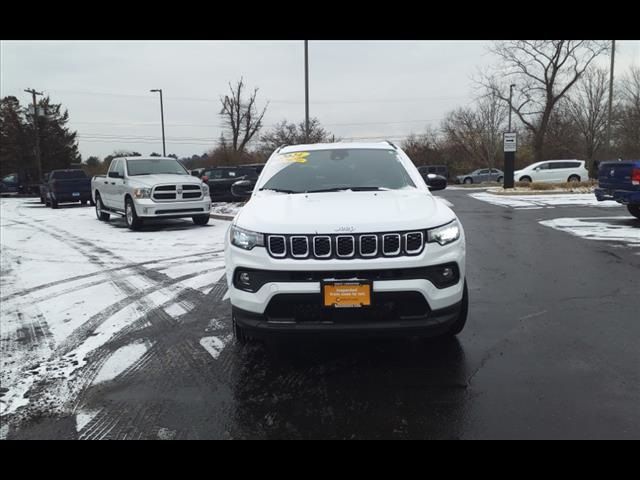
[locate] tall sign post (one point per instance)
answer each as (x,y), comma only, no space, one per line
(509,148)
(510,145)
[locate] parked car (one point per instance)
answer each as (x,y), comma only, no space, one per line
(620,181)
(65,186)
(553,171)
(220,180)
(345,238)
(10,184)
(197,172)
(481,175)
(441,170)
(139,188)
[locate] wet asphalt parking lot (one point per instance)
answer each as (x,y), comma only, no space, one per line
(550,350)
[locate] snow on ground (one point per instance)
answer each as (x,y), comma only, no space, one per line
(624,230)
(69,284)
(222,208)
(542,201)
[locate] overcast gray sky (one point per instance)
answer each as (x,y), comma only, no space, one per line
(371,89)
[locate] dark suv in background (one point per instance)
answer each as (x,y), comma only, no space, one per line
(220,180)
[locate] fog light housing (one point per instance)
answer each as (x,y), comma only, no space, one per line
(244,278)
(447,272)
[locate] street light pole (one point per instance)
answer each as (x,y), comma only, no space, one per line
(613,54)
(164,150)
(35,128)
(306,89)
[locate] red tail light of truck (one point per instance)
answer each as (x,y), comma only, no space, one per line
(635,176)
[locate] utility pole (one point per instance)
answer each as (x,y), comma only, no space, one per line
(164,150)
(35,128)
(613,54)
(306,90)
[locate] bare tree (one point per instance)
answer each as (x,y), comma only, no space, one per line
(285,133)
(627,131)
(543,71)
(241,117)
(587,108)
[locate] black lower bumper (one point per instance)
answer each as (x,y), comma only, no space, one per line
(432,323)
(68,197)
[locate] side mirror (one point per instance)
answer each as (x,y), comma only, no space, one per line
(242,188)
(436,182)
(114,175)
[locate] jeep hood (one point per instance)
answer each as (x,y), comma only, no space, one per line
(343,212)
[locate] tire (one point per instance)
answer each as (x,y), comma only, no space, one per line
(42,199)
(468,181)
(239,333)
(573,178)
(54,203)
(461,321)
(200,219)
(526,179)
(102,216)
(131,217)
(500,179)
(634,210)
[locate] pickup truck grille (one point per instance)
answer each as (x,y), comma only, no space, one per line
(366,245)
(176,193)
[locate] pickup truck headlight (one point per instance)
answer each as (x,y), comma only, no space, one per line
(445,234)
(245,238)
(205,189)
(142,193)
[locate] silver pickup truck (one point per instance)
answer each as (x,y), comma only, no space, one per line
(150,187)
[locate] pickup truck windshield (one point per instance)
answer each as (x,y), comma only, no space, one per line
(150,167)
(339,169)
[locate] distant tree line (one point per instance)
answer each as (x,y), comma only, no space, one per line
(559,110)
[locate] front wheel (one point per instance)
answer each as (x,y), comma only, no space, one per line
(200,219)
(634,210)
(525,179)
(574,179)
(461,321)
(133,221)
(468,181)
(54,203)
(500,179)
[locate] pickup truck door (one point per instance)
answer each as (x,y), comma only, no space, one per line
(117,187)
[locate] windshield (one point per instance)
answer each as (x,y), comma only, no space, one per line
(153,166)
(339,169)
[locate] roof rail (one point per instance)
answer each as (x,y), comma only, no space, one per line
(392,145)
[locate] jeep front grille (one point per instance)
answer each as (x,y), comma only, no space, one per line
(365,245)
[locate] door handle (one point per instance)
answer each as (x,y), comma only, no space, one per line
(113,183)
(106,183)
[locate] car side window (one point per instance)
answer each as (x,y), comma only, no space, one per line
(120,168)
(10,178)
(543,166)
(483,172)
(114,165)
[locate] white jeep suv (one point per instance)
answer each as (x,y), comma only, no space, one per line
(345,238)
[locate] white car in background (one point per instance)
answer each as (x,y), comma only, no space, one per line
(556,171)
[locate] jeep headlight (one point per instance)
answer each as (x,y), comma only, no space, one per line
(245,238)
(445,234)
(142,192)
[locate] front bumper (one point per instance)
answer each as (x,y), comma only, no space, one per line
(621,196)
(147,208)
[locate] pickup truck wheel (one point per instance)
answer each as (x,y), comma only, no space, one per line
(102,216)
(133,222)
(460,322)
(200,219)
(634,210)
(54,203)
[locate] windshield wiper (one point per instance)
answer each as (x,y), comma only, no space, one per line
(353,189)
(279,190)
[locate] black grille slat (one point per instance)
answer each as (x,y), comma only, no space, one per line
(299,247)
(191,187)
(413,242)
(345,246)
(368,245)
(165,196)
(277,246)
(191,195)
(322,246)
(391,244)
(162,188)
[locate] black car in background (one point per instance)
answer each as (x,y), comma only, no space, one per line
(64,186)
(10,184)
(220,180)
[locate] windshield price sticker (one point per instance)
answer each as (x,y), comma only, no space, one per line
(294,157)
